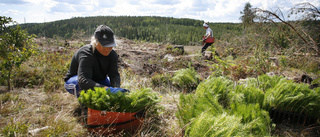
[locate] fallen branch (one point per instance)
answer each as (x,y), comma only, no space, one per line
(37,130)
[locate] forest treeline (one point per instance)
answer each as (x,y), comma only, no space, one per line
(143,28)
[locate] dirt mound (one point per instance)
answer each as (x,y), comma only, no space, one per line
(150,58)
(141,58)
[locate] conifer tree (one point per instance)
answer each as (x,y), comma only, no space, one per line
(247,17)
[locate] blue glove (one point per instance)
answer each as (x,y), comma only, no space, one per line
(115,90)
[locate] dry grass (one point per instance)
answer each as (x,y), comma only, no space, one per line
(36,109)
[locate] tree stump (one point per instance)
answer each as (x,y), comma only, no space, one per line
(207,55)
(179,48)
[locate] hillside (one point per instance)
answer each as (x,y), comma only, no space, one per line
(142,28)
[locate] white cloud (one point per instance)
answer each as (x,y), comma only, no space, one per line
(107,3)
(12,12)
(207,10)
(164,2)
(63,7)
(13,2)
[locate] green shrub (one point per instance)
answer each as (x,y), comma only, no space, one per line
(174,51)
(161,80)
(186,79)
(16,47)
(205,99)
(27,78)
(253,115)
(191,106)
(55,67)
(293,97)
(10,103)
(209,125)
(246,94)
(219,109)
(285,95)
(15,129)
(218,86)
(5,97)
(305,63)
(266,82)
(60,128)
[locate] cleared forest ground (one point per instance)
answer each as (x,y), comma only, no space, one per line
(57,113)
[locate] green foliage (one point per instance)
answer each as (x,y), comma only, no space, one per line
(249,112)
(8,97)
(10,103)
(55,66)
(265,82)
(293,97)
(246,95)
(217,86)
(260,60)
(286,95)
(239,72)
(221,68)
(173,65)
(218,108)
(174,51)
(283,61)
(60,128)
(43,68)
(161,79)
(191,106)
(214,125)
(5,97)
(186,109)
(309,64)
(142,28)
(205,116)
(16,47)
(248,15)
(24,77)
(310,21)
(205,99)
(186,78)
(15,129)
(100,99)
(280,38)
(143,98)
(211,125)
(252,115)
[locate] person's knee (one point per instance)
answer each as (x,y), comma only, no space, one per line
(72,86)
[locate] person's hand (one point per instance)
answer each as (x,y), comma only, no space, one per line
(115,90)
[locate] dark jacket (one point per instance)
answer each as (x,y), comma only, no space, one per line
(92,67)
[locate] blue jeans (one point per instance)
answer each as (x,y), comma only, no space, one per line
(73,88)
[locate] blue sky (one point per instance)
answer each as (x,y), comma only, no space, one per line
(37,11)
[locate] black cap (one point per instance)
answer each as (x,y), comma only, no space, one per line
(105,36)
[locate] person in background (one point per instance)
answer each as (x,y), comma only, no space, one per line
(95,64)
(208,38)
